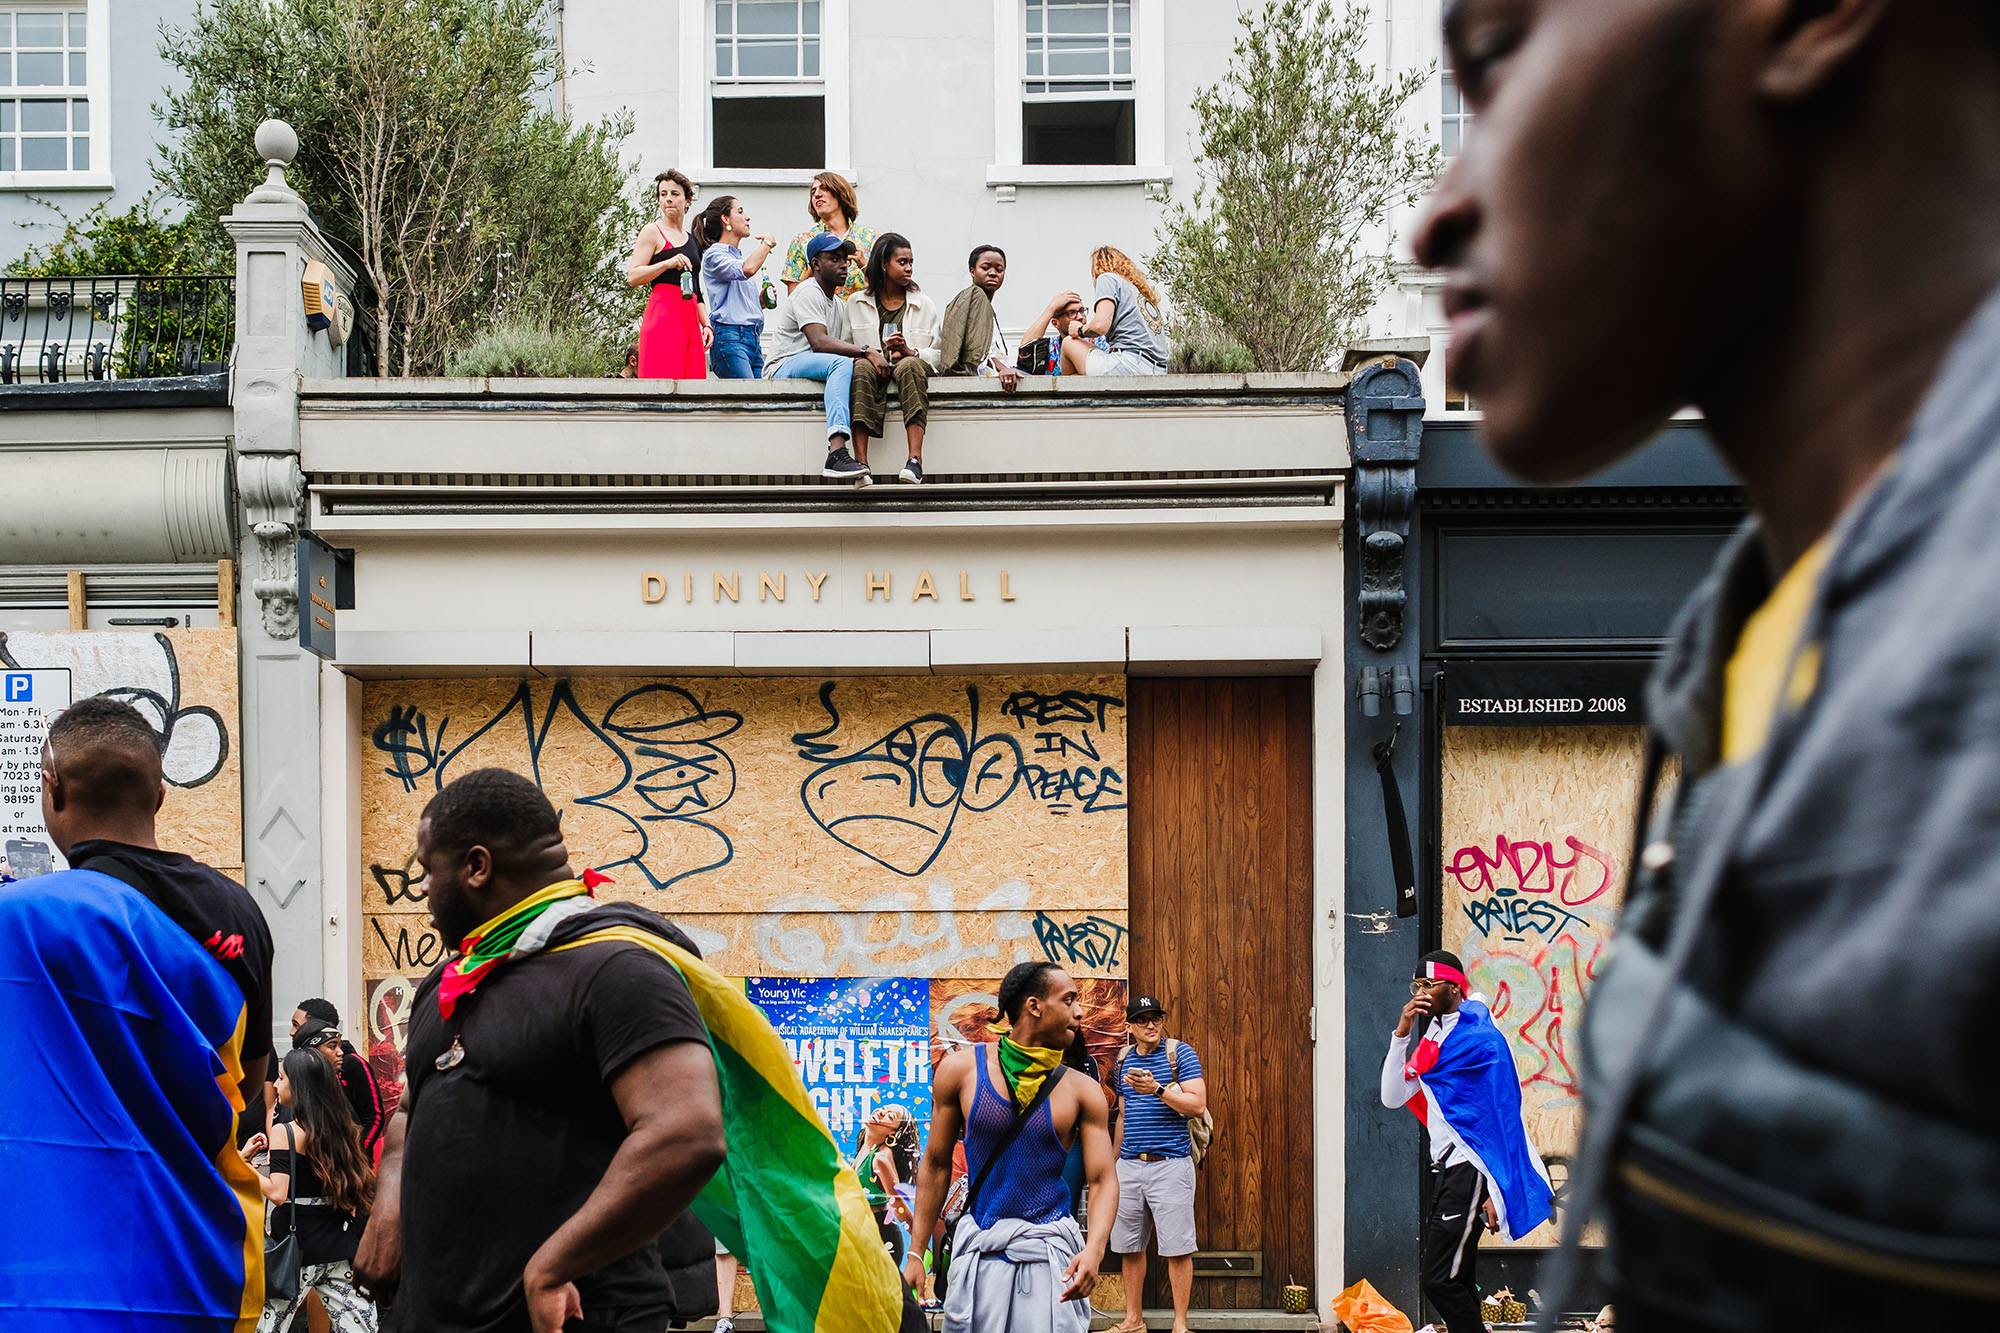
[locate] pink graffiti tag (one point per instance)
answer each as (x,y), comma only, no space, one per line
(1533,867)
(1532,991)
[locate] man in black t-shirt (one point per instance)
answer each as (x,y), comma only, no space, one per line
(102,787)
(562,1108)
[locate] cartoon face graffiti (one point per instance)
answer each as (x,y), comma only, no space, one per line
(895,799)
(680,772)
(142,670)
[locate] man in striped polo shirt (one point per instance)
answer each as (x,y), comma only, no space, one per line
(1159,1086)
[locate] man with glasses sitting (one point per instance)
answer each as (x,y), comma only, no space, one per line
(1461,1083)
(1063,317)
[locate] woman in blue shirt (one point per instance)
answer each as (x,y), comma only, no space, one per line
(736,309)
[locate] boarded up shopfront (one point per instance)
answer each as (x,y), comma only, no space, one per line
(929,829)
(872,854)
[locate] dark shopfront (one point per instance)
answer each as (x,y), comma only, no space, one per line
(1529,621)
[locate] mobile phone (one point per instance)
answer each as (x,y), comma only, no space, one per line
(29,857)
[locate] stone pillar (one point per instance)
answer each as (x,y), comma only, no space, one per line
(275,239)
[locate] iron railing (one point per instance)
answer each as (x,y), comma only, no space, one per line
(54,330)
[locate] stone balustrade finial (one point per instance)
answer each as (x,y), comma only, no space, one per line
(277,145)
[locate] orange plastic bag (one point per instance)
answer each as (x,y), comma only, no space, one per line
(1362,1309)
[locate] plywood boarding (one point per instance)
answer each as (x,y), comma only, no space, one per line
(1222,875)
(1537,823)
(908,826)
(184,681)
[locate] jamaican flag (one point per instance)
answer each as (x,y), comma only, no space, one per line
(783,1202)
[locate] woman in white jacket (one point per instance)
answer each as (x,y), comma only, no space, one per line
(892,315)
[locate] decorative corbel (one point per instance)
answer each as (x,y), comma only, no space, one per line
(1385,433)
(273,491)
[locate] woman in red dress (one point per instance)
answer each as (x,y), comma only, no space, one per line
(674,336)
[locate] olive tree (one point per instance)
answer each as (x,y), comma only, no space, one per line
(1301,154)
(427,153)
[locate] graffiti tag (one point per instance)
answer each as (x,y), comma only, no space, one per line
(1092,942)
(1516,866)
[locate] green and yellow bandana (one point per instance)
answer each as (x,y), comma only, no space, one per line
(490,945)
(1025,1068)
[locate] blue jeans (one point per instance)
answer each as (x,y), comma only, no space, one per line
(737,353)
(837,371)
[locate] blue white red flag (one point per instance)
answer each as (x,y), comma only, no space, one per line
(1470,1096)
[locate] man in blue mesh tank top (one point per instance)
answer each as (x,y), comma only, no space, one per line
(1019,1261)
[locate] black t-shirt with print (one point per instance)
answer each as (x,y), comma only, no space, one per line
(220,913)
(501,1149)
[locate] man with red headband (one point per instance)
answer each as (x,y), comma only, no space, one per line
(1460,1082)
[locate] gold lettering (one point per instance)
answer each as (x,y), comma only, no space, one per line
(687,587)
(766,588)
(925,588)
(816,580)
(876,585)
(1006,588)
(652,588)
(965,586)
(729,588)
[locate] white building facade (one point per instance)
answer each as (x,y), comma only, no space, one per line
(1046,127)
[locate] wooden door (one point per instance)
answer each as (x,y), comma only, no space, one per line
(1221,828)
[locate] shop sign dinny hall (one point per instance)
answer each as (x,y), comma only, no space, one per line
(768,585)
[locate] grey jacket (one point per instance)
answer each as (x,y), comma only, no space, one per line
(1839,892)
(1008,1278)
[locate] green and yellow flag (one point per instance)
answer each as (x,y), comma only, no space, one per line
(783,1202)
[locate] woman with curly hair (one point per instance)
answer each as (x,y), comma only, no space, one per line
(320,1180)
(1126,313)
(675,334)
(833,206)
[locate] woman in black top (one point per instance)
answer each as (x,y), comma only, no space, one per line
(674,335)
(321,1177)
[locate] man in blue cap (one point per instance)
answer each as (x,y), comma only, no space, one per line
(809,346)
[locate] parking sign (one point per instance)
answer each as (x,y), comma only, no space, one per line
(28,699)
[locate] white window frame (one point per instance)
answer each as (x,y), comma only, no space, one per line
(1149,105)
(1461,118)
(697,124)
(96,90)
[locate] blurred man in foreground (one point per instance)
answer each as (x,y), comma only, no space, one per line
(1788,213)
